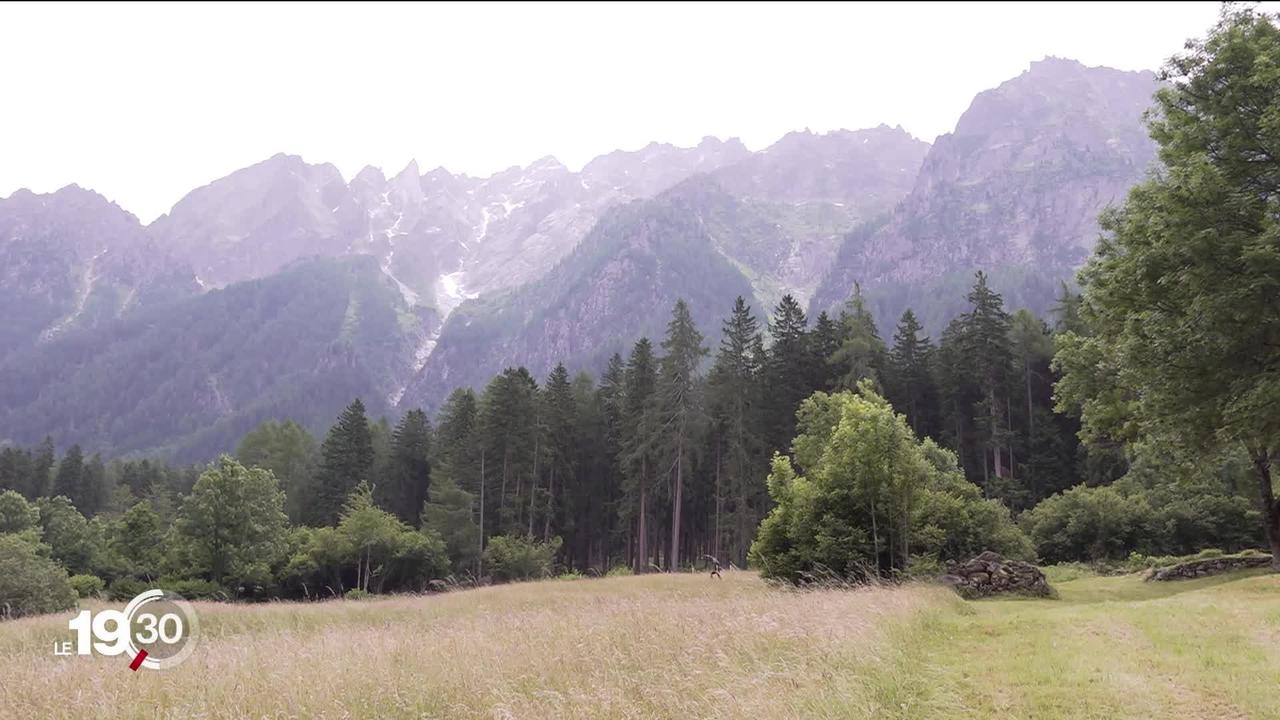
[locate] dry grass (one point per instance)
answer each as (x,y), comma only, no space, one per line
(658,646)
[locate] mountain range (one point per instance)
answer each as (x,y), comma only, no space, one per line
(283,290)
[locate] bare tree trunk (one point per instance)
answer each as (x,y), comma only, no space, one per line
(533,482)
(1270,508)
(1008,411)
(480,556)
(715,544)
(673,561)
(642,552)
(993,414)
(551,499)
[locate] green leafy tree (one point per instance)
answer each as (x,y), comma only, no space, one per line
(284,448)
(868,489)
(30,582)
(232,528)
(1182,296)
(16,514)
(138,539)
(511,558)
(372,533)
(67,534)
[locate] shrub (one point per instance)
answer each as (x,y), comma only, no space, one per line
(193,589)
(358,594)
(16,514)
(619,570)
(31,583)
(510,558)
(87,585)
(125,588)
(1089,523)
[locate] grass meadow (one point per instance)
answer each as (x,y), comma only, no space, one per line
(686,646)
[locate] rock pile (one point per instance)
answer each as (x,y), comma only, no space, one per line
(1209,566)
(991,574)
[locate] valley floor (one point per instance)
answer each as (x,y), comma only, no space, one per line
(686,646)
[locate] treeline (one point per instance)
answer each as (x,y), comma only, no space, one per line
(660,464)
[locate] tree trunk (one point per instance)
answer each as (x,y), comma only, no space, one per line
(715,543)
(551,499)
(672,562)
(1270,508)
(1008,411)
(533,482)
(480,555)
(642,540)
(993,414)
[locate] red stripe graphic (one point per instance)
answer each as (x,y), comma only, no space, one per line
(137,662)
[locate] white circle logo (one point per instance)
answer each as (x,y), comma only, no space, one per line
(157,630)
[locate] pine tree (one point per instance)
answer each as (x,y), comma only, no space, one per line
(786,373)
(680,408)
(862,353)
(734,395)
(42,468)
(639,428)
(69,481)
(909,383)
(347,458)
(824,342)
(405,487)
(558,411)
(986,344)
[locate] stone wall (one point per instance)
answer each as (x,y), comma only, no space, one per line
(991,574)
(1209,566)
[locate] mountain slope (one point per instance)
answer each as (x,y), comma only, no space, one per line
(71,260)
(1015,190)
(619,284)
(188,379)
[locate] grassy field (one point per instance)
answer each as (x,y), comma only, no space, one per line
(685,646)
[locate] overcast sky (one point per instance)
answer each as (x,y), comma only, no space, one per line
(145,102)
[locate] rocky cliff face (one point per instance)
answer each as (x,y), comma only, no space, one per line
(72,260)
(1016,189)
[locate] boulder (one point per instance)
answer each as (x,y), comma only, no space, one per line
(990,574)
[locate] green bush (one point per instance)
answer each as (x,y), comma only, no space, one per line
(619,570)
(125,588)
(1090,524)
(193,589)
(31,583)
(358,594)
(87,585)
(509,558)
(16,514)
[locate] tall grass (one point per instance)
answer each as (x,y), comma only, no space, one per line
(654,646)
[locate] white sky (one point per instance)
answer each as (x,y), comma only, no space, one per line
(146,102)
